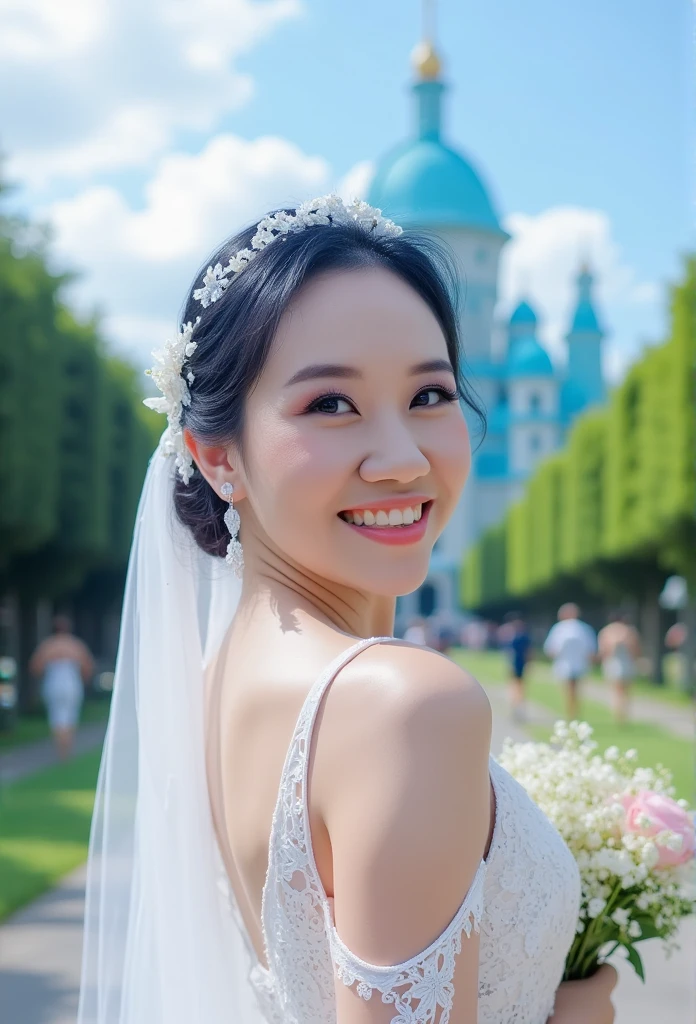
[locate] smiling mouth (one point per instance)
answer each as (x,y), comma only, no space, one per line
(385,518)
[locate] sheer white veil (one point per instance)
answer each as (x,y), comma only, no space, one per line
(161,945)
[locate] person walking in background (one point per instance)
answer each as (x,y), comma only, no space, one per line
(517,641)
(619,647)
(572,645)
(65,664)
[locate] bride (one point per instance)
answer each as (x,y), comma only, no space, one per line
(298,819)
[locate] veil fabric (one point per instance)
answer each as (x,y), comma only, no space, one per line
(160,943)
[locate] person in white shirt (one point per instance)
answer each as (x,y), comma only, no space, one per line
(573,645)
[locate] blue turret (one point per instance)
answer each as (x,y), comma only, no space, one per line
(522,321)
(423,181)
(584,384)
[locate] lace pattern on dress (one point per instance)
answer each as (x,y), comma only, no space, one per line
(421,989)
(532,905)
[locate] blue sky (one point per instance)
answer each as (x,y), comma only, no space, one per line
(146,131)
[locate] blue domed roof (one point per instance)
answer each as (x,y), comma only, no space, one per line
(426,182)
(523,314)
(528,359)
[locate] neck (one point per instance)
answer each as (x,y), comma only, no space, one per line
(295,596)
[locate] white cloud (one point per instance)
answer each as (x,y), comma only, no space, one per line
(138,263)
(33,31)
(542,260)
(111,82)
(356,182)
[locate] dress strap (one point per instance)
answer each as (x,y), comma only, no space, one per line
(291,865)
(308,714)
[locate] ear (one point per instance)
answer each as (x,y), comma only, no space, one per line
(216,463)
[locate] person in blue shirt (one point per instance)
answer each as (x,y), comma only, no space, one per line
(518,643)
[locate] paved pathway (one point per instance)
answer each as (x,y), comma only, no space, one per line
(675,718)
(40,951)
(24,760)
(40,948)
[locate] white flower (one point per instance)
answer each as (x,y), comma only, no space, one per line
(581,792)
(595,907)
(620,917)
(214,284)
(611,753)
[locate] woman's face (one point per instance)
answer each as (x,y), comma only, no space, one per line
(354,418)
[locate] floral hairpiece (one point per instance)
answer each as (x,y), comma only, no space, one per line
(169,373)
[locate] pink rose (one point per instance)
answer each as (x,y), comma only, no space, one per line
(648,813)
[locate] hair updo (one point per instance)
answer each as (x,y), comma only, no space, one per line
(235,334)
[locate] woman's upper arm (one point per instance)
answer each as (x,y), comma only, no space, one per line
(408,823)
(37,662)
(86,662)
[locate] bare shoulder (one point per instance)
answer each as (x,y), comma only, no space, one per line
(405,678)
(407,711)
(402,785)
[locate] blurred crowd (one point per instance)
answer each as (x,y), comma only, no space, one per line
(571,645)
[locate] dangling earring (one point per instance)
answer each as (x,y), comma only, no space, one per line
(235,555)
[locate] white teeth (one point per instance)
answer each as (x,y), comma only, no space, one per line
(394,517)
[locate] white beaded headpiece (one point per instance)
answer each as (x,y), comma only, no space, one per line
(170,374)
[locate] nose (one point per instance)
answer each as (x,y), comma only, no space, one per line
(395,456)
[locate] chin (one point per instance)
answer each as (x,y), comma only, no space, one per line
(392,581)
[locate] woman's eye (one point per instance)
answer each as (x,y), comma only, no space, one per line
(434,396)
(331,405)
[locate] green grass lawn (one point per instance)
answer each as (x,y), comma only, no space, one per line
(44,829)
(654,745)
(30,728)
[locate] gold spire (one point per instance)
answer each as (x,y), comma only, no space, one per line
(426,62)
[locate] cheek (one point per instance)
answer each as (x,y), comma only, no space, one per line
(294,468)
(450,457)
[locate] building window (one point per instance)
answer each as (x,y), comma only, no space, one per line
(534,443)
(502,395)
(535,402)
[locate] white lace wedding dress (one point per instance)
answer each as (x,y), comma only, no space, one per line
(524,900)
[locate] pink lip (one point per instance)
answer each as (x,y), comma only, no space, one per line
(394,534)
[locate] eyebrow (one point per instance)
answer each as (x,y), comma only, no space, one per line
(340,370)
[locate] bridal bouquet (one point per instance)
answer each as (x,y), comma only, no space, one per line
(633,843)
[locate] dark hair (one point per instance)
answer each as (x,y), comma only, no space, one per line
(235,334)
